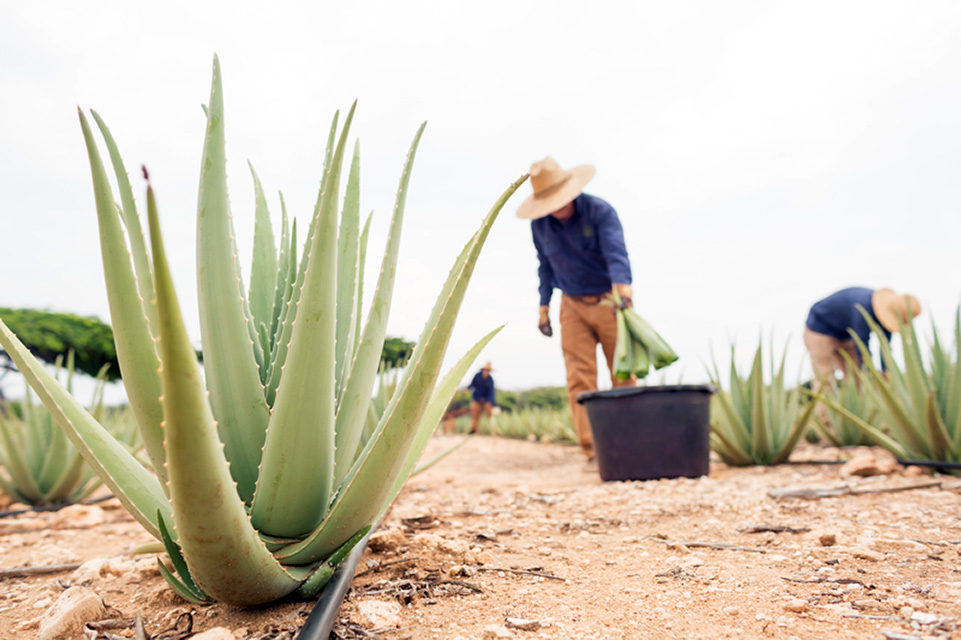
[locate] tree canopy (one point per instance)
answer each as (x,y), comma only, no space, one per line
(49,335)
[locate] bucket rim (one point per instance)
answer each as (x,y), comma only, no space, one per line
(621,392)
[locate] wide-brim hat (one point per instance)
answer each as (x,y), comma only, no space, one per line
(487,366)
(553,187)
(892,308)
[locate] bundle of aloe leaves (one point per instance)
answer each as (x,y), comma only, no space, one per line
(639,347)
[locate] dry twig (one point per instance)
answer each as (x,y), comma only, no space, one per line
(724,546)
(22,572)
(522,572)
(807,493)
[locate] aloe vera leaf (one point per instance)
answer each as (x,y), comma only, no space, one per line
(136,352)
(352,409)
(659,353)
(361,263)
(436,408)
(902,423)
(230,363)
(283,284)
(55,459)
(760,445)
(178,586)
(879,436)
(731,454)
(263,268)
(15,464)
(226,557)
(348,245)
(797,430)
(179,564)
(135,487)
(312,586)
(952,411)
(295,484)
(68,482)
(131,219)
(285,314)
(369,483)
(623,360)
(940,440)
(640,358)
(914,372)
(738,433)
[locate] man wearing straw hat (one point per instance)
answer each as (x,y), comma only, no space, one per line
(826,334)
(482,396)
(580,246)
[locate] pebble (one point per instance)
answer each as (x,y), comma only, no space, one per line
(827,539)
(387,540)
(78,516)
(544,551)
(796,605)
(922,617)
(65,619)
(731,611)
(377,614)
(522,624)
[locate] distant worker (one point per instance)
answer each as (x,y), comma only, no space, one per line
(826,332)
(482,396)
(580,246)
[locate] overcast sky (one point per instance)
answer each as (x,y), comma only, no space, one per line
(761,154)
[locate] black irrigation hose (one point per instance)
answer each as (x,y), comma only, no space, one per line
(937,464)
(322,617)
(52,507)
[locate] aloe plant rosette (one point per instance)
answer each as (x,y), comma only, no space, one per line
(263,481)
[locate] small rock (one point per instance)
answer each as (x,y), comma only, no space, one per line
(50,554)
(692,561)
(460,570)
(867,554)
(796,605)
(217,633)
(387,540)
(869,464)
(544,551)
(377,614)
(65,619)
(906,612)
(827,539)
(496,632)
(522,624)
(92,570)
(922,617)
(730,611)
(78,516)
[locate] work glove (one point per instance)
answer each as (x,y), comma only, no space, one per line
(624,291)
(544,322)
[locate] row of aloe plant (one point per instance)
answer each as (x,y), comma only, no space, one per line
(912,410)
(40,467)
(263,476)
(918,405)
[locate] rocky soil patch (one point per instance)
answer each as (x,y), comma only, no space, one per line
(511,539)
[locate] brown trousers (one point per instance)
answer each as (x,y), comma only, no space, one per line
(583,326)
(826,357)
(476,408)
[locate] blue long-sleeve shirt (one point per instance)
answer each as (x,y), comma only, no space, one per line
(584,255)
(482,389)
(837,313)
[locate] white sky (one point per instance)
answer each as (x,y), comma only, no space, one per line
(761,154)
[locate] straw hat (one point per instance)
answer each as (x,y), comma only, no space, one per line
(892,308)
(553,187)
(487,367)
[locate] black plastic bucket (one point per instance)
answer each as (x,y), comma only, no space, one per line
(644,433)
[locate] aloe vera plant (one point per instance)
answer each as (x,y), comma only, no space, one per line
(40,466)
(919,406)
(263,480)
(835,426)
(757,423)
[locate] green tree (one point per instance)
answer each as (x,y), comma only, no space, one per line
(49,335)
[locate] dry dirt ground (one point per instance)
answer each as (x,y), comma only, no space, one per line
(514,539)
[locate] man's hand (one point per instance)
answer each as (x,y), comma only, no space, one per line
(627,297)
(544,322)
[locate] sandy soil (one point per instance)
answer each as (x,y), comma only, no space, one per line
(513,539)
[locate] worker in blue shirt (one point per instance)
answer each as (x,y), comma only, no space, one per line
(580,247)
(830,321)
(482,396)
